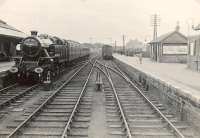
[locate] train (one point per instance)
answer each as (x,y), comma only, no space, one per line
(42,57)
(107,52)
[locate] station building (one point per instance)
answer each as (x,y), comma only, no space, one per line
(170,48)
(193,59)
(9,38)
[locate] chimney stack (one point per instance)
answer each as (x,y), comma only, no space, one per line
(177,27)
(34,33)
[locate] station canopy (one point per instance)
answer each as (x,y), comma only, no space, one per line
(9,31)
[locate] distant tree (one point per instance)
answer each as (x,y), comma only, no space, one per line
(134,44)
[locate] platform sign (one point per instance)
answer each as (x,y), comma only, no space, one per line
(175,49)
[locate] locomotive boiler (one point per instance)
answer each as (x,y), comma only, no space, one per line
(42,57)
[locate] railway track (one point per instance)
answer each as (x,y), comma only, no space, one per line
(64,113)
(12,94)
(19,101)
(132,114)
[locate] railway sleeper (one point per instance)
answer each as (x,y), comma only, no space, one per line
(41,125)
(76,124)
(117,133)
(43,132)
(51,114)
(153,135)
(79,132)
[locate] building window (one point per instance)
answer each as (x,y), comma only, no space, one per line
(175,49)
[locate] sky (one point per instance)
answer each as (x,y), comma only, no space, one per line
(100,20)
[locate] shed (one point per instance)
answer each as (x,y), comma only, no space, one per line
(171,47)
(9,38)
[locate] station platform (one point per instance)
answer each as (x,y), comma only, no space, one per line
(186,81)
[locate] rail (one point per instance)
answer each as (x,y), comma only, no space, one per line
(118,102)
(177,100)
(174,129)
(67,127)
(31,116)
(7,88)
(18,95)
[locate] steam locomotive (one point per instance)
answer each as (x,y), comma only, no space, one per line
(42,57)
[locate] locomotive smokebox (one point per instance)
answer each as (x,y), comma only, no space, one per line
(34,33)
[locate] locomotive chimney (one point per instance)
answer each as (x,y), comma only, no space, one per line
(34,33)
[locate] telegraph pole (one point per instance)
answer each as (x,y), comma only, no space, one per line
(115,46)
(155,23)
(123,39)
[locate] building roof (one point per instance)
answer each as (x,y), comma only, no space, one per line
(7,30)
(193,37)
(167,35)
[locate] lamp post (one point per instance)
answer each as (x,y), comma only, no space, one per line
(197,28)
(123,44)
